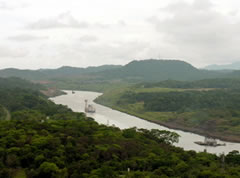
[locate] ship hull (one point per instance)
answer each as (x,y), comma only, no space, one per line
(213,145)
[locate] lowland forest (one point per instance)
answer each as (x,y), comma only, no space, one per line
(172,93)
(41,139)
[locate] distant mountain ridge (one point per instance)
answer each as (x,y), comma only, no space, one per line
(62,72)
(232,66)
(158,70)
(135,71)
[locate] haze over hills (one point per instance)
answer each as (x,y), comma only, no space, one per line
(45,74)
(232,66)
(135,71)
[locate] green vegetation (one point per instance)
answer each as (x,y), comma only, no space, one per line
(21,99)
(209,111)
(185,100)
(103,78)
(198,84)
(17,83)
(20,173)
(13,82)
(158,70)
(46,140)
(2,113)
(47,74)
(87,85)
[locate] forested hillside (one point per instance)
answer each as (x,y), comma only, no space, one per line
(133,72)
(47,74)
(219,83)
(46,140)
(103,78)
(18,83)
(208,107)
(158,70)
(13,82)
(185,100)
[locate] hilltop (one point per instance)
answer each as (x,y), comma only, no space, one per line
(158,70)
(154,70)
(106,77)
(46,74)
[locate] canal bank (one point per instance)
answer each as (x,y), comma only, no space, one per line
(105,115)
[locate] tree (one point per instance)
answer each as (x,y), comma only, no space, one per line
(48,170)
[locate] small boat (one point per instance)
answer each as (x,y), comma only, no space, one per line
(208,141)
(89,108)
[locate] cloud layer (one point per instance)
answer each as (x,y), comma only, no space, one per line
(6,52)
(26,38)
(86,33)
(64,20)
(197,31)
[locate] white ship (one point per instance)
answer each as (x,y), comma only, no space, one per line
(208,141)
(89,108)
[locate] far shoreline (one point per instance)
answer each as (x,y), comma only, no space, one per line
(177,126)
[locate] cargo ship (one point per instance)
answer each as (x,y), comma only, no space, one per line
(208,141)
(89,108)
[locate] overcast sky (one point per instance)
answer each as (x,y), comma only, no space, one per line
(52,33)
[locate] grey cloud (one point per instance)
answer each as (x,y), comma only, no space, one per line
(27,38)
(122,23)
(88,38)
(120,50)
(6,52)
(119,23)
(65,20)
(234,12)
(102,25)
(111,53)
(195,30)
(5,5)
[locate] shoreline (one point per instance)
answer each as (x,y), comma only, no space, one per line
(52,92)
(177,126)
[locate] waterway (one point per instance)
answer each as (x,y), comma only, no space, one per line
(108,116)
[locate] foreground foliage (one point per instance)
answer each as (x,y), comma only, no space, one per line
(46,140)
(71,145)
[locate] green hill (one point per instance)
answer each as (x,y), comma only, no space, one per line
(104,77)
(233,83)
(46,74)
(158,70)
(144,70)
(24,74)
(14,82)
(17,94)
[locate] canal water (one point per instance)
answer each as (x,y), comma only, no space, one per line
(108,116)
